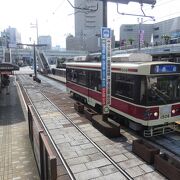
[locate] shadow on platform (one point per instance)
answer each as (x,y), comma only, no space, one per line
(10,107)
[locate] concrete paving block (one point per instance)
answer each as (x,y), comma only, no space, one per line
(114,176)
(96,156)
(130,163)
(110,169)
(78,168)
(78,160)
(98,163)
(119,158)
(86,146)
(151,176)
(135,171)
(69,154)
(84,152)
(89,174)
(147,168)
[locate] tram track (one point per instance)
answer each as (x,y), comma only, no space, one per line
(41,100)
(53,143)
(94,144)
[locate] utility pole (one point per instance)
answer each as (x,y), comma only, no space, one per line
(140,21)
(35,68)
(36,26)
(34,50)
(105,13)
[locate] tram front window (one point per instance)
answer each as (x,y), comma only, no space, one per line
(163,90)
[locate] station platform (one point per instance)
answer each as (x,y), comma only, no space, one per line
(16,155)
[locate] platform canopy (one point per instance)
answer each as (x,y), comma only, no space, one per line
(7,68)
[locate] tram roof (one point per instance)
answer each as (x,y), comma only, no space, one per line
(118,64)
(141,68)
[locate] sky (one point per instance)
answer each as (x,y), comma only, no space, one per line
(56,17)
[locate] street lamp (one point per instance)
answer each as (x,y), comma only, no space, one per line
(140,21)
(35,26)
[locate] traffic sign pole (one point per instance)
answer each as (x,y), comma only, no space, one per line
(105,70)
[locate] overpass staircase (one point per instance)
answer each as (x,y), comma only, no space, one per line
(43,65)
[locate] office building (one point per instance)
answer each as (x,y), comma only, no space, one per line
(46,40)
(164,32)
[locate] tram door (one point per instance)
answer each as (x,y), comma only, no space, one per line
(93,86)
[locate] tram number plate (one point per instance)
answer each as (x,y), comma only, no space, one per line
(165,112)
(164,116)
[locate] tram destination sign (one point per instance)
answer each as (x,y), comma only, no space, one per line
(106,68)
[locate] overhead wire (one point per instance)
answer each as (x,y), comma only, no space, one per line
(57,8)
(156,5)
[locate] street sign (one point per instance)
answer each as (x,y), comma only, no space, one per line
(105,32)
(106,68)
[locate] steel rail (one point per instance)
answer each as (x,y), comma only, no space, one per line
(99,148)
(71,175)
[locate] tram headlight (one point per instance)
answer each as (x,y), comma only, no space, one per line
(156,114)
(173,111)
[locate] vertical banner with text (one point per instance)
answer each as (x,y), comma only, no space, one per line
(106,68)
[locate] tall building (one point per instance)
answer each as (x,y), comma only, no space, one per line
(45,40)
(164,32)
(87,26)
(10,37)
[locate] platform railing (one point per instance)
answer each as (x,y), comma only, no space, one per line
(44,156)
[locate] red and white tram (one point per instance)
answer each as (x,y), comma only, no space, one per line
(147,93)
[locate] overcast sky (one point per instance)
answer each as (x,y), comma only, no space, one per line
(56,18)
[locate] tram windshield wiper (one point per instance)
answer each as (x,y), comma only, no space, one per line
(161,95)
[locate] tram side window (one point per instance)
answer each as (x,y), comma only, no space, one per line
(123,86)
(94,80)
(143,90)
(82,77)
(74,75)
(69,74)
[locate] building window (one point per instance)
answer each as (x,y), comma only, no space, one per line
(128,30)
(156,28)
(156,36)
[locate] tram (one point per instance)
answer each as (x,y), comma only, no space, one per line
(145,93)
